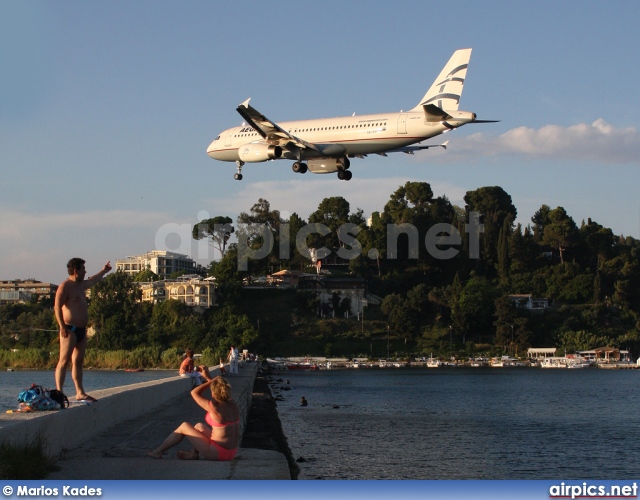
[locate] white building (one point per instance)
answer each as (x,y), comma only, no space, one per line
(160,262)
(189,289)
(528,301)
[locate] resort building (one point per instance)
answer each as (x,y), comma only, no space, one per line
(191,289)
(160,262)
(24,290)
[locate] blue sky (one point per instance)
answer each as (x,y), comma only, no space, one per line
(106,110)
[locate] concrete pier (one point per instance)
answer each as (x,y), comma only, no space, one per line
(109,439)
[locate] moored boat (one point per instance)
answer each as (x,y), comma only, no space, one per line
(301,366)
(433,362)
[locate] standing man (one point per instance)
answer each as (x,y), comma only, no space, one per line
(72,315)
(233,360)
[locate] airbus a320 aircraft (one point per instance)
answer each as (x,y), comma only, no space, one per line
(325,145)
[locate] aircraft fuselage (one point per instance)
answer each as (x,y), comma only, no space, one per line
(342,136)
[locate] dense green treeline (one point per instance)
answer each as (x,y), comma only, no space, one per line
(444,275)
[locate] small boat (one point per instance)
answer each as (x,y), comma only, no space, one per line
(301,366)
(554,362)
(134,370)
(433,362)
(578,362)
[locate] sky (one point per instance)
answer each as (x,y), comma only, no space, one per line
(107,108)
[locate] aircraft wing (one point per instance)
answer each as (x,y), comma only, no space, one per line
(271,131)
(410,149)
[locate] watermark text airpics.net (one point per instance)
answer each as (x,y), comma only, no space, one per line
(586,490)
(438,241)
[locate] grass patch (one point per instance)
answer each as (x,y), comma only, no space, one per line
(25,462)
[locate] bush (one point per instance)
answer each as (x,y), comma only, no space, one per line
(25,462)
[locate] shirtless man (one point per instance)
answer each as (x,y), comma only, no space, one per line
(72,315)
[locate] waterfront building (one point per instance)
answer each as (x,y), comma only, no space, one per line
(23,290)
(190,289)
(160,262)
(541,352)
(606,355)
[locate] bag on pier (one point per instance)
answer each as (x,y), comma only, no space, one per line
(37,397)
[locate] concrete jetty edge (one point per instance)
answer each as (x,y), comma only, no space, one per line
(109,439)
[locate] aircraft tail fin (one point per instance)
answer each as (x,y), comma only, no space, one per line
(446,90)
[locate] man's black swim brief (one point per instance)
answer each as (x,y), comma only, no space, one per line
(81,333)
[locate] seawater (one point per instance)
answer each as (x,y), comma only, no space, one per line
(12,383)
(454,423)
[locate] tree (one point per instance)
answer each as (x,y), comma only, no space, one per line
(476,307)
(261,222)
(219,229)
(540,219)
(145,275)
(503,254)
(116,313)
(561,231)
(333,212)
(496,209)
(226,273)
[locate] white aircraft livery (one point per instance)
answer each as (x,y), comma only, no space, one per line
(325,145)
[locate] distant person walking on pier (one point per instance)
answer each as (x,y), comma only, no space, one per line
(220,441)
(72,315)
(233,360)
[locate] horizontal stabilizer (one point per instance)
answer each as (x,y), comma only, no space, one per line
(434,114)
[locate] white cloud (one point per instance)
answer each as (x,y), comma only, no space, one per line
(598,142)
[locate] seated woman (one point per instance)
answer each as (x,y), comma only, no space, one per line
(187,369)
(218,442)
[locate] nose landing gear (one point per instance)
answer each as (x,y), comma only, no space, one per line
(238,175)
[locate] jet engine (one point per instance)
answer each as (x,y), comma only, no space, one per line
(257,152)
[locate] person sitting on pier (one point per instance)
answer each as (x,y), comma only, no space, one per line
(197,373)
(220,441)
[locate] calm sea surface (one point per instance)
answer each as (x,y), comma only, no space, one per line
(12,383)
(453,423)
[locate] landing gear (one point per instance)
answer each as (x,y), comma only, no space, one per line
(238,175)
(343,165)
(344,175)
(299,167)
(345,162)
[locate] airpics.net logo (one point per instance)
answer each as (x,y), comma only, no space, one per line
(440,241)
(586,490)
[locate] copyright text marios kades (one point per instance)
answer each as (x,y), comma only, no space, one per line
(65,491)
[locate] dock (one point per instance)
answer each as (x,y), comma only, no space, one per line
(109,439)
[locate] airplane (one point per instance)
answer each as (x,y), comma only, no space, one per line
(325,145)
